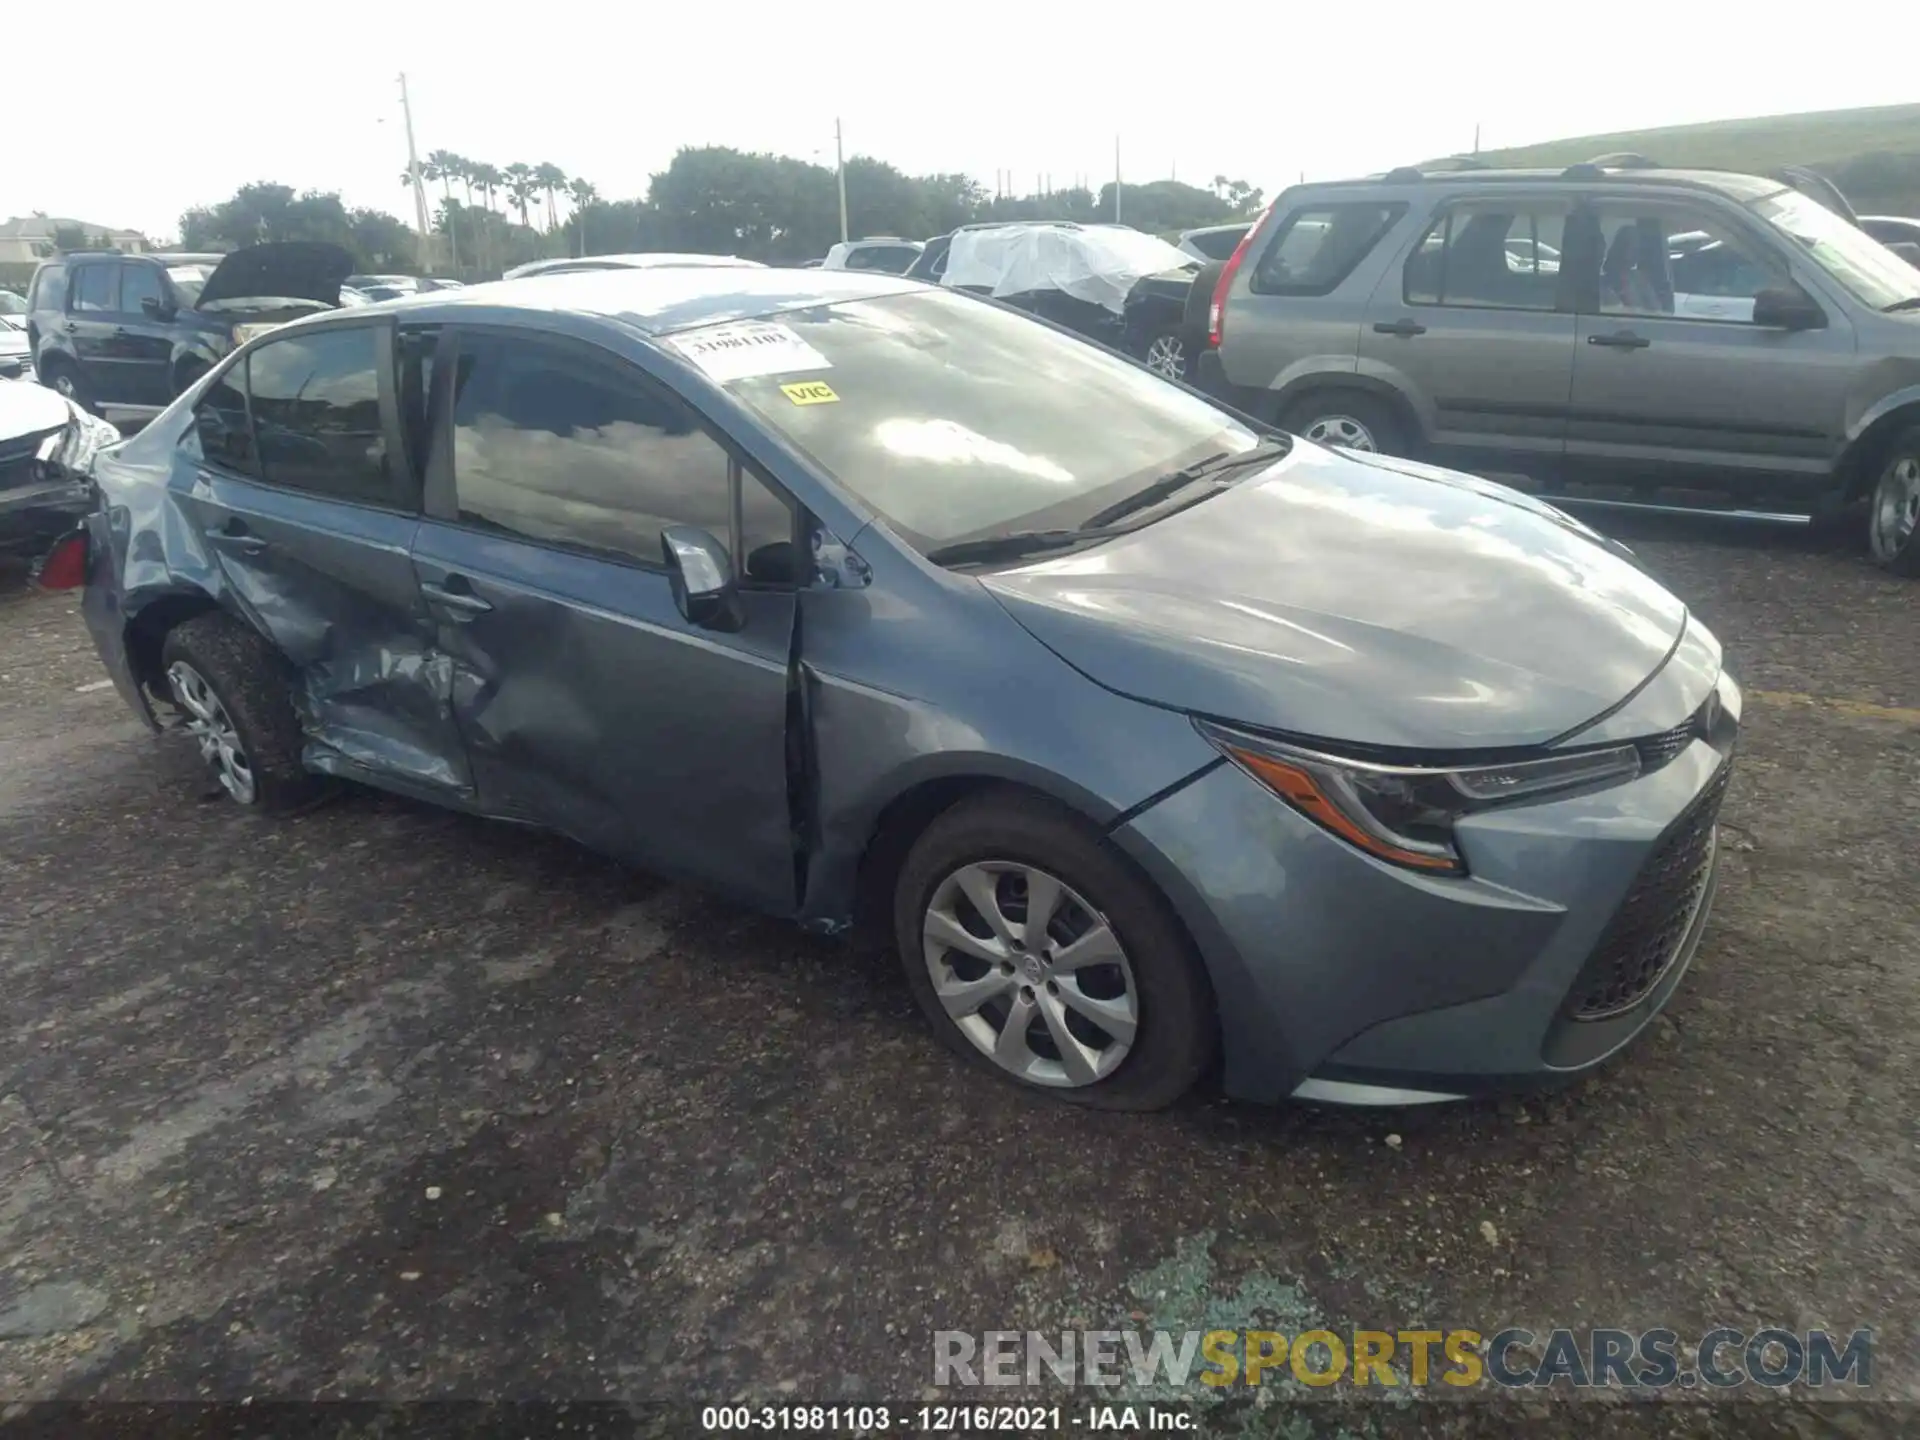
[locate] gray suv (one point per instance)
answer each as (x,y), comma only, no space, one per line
(1718,338)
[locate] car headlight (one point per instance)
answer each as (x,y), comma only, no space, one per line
(1405,814)
(70,453)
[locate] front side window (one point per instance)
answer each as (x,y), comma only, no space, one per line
(1315,248)
(1872,273)
(956,418)
(1490,255)
(220,426)
(1679,261)
(316,415)
(94,287)
(560,446)
(139,283)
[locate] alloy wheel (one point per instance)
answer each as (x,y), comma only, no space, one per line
(1342,430)
(1167,356)
(1896,506)
(1031,973)
(213,730)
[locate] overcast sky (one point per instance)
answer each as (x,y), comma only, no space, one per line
(271,92)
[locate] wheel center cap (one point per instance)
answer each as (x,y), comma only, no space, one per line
(1035,968)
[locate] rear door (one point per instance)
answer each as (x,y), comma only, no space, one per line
(307,502)
(1673,382)
(1475,326)
(588,702)
(93,318)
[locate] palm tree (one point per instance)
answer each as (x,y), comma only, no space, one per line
(584,196)
(440,166)
(488,178)
(549,177)
(463,172)
(520,189)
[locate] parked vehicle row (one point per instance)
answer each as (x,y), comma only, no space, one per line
(1146,731)
(1722,336)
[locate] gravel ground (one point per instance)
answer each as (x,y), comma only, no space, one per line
(385,1102)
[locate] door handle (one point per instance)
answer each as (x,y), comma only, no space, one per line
(463,602)
(1620,340)
(233,536)
(1401,326)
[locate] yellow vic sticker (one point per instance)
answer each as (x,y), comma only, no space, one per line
(809,392)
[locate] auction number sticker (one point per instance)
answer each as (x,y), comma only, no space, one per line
(809,392)
(748,349)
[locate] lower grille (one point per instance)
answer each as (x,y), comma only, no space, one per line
(1643,937)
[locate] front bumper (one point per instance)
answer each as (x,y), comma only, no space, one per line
(1343,978)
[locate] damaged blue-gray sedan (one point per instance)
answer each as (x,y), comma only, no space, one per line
(1147,733)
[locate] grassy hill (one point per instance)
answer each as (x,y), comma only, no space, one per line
(1872,154)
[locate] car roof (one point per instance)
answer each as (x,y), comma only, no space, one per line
(657,300)
(1732,183)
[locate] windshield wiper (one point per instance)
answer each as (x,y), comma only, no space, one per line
(1912,302)
(1012,545)
(1178,480)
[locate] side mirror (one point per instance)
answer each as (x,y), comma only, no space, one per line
(1787,307)
(703,581)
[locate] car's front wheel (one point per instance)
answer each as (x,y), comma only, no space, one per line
(1893,515)
(227,683)
(1037,953)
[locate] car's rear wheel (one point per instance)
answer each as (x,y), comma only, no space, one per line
(1165,353)
(1348,419)
(1037,953)
(227,683)
(1893,514)
(64,377)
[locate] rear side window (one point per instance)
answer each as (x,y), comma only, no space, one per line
(49,288)
(220,422)
(316,416)
(95,286)
(1493,255)
(1317,247)
(560,447)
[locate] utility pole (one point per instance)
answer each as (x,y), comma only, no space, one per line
(1476,139)
(840,169)
(1116,179)
(419,190)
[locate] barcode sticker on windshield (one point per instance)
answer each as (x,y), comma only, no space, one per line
(742,351)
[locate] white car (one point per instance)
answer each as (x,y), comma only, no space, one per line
(645,261)
(888,254)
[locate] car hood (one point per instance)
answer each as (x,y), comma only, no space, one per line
(1376,603)
(27,409)
(289,269)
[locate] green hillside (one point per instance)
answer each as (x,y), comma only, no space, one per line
(1872,154)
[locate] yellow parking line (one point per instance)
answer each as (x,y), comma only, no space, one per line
(1861,709)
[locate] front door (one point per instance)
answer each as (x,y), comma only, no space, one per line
(306,502)
(144,342)
(1477,328)
(587,700)
(1674,383)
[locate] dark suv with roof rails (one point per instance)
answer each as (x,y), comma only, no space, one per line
(1610,333)
(122,334)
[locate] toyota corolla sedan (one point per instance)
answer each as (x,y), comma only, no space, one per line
(1147,734)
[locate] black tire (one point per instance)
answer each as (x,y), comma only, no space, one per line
(1894,496)
(1176,1035)
(65,375)
(1370,412)
(248,678)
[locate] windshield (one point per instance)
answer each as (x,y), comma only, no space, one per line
(187,280)
(957,419)
(11,304)
(1873,273)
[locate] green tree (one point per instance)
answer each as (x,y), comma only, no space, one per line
(549,177)
(68,238)
(520,188)
(585,198)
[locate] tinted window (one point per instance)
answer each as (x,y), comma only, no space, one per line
(1678,261)
(50,288)
(137,283)
(316,415)
(220,422)
(93,288)
(564,447)
(1495,255)
(956,419)
(1316,248)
